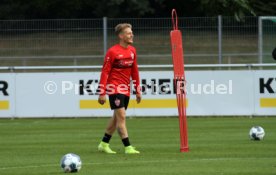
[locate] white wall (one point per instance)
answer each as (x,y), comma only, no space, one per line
(208,93)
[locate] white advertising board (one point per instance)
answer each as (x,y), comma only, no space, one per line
(73,94)
(264,92)
(7,95)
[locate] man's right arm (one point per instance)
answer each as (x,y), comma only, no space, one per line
(104,76)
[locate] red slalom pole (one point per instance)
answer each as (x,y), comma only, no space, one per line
(179,81)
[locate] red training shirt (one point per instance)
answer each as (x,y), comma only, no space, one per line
(119,65)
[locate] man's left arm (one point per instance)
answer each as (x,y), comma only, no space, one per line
(136,79)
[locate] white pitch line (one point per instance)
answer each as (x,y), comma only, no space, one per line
(27,166)
(125,162)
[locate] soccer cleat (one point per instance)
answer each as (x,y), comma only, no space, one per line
(131,150)
(104,147)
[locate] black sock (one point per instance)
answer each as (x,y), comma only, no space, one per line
(106,138)
(126,142)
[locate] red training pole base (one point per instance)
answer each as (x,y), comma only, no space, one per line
(184,149)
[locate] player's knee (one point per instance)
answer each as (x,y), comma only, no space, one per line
(120,115)
(121,121)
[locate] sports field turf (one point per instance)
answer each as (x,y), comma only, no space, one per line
(218,146)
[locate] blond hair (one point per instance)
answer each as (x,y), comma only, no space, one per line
(121,27)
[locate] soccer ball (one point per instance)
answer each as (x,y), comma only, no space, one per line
(70,163)
(256,133)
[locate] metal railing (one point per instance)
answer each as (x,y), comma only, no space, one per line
(206,40)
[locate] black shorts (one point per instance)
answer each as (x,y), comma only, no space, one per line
(117,101)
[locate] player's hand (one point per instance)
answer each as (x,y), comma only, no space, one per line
(102,99)
(138,98)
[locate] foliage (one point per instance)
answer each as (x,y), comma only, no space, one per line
(39,9)
(237,8)
(264,7)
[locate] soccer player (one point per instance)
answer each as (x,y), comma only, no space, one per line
(120,64)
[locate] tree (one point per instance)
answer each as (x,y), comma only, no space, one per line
(119,8)
(264,7)
(40,9)
(237,8)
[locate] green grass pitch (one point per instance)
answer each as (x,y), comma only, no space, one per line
(218,146)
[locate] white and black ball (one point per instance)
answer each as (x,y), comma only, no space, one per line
(70,163)
(256,133)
